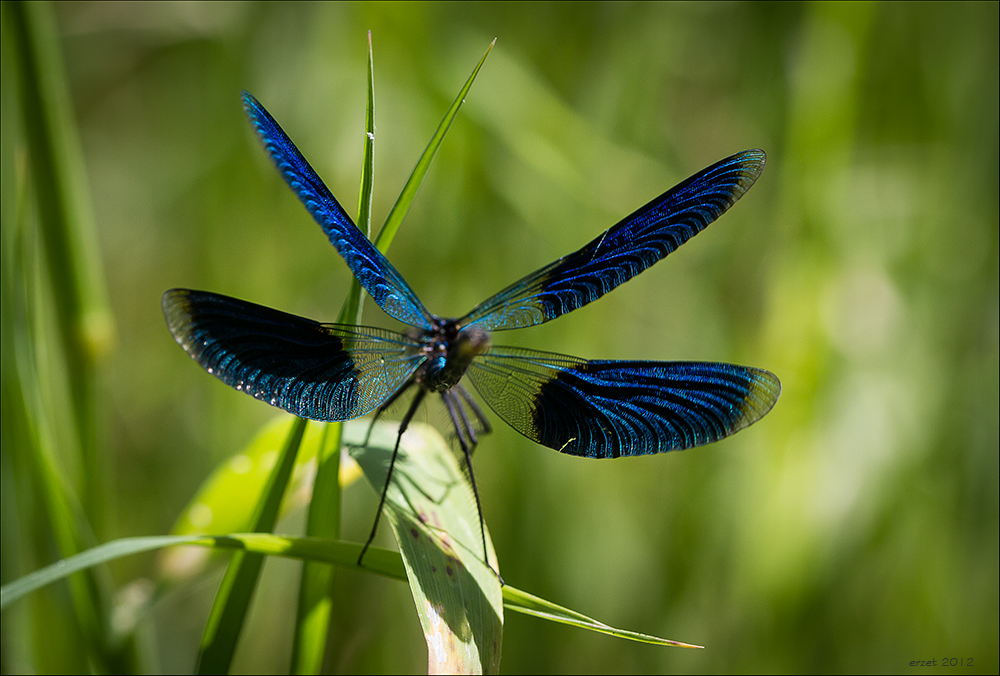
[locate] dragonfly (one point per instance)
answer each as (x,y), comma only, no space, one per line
(589,408)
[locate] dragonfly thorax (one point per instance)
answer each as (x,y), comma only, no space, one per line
(450,351)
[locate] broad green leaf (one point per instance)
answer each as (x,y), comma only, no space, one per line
(433,513)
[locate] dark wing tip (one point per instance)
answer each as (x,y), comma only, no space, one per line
(250,103)
(753,159)
(176,304)
(263,124)
(751,166)
(178,310)
(762,394)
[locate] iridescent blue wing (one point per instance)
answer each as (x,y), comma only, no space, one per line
(375,273)
(624,251)
(318,371)
(607,409)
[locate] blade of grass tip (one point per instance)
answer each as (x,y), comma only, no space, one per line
(405,199)
(225,622)
(315,604)
(351,313)
(528,604)
(368,168)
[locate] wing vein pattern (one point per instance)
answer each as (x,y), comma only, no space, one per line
(626,249)
(374,271)
(318,371)
(606,409)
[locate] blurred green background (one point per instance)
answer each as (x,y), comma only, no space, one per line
(853,529)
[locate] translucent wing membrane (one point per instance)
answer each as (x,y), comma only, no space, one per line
(607,409)
(385,285)
(318,371)
(624,251)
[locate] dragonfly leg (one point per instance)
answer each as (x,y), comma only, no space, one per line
(383,408)
(471,403)
(464,430)
(395,451)
(467,440)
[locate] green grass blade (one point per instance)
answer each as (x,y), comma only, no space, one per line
(351,312)
(225,622)
(368,166)
(380,561)
(466,616)
(73,265)
(92,557)
(432,510)
(226,501)
(405,199)
(528,604)
(15,526)
(312,621)
(86,590)
(316,586)
(62,321)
